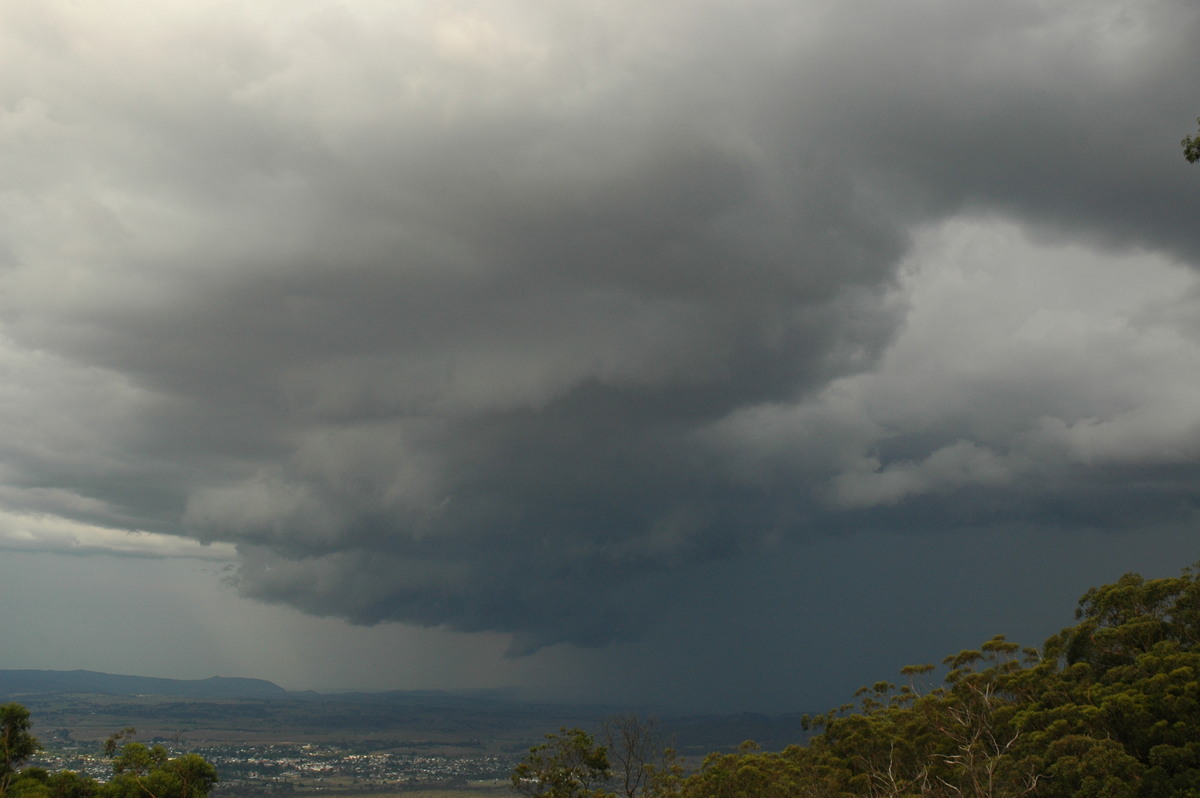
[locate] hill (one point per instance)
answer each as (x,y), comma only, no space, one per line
(16,684)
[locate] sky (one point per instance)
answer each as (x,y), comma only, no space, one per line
(723,355)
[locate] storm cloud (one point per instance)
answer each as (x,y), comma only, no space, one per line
(503,316)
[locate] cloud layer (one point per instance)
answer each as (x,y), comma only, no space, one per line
(495,315)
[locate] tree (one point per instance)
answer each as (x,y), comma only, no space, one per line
(568,765)
(16,743)
(150,772)
(138,771)
(190,776)
(35,782)
(1191,147)
(749,773)
(1109,708)
(633,748)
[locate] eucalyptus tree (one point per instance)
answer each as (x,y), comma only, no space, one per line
(570,764)
(16,743)
(139,771)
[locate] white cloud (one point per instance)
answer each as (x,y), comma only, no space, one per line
(960,464)
(1016,355)
(43,533)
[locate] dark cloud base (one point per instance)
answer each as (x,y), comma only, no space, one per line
(481,319)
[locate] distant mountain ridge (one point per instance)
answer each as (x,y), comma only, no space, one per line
(15,683)
(90,704)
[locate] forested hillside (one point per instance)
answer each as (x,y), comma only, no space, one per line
(1108,708)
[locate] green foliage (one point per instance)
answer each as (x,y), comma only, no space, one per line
(1110,708)
(16,743)
(1191,147)
(36,782)
(138,771)
(568,765)
(750,773)
(141,772)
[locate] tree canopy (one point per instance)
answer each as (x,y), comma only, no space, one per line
(1108,708)
(139,771)
(568,765)
(1191,147)
(16,743)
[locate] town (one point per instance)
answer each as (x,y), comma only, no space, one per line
(247,769)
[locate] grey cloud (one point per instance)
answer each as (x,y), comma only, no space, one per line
(465,317)
(1004,398)
(1062,115)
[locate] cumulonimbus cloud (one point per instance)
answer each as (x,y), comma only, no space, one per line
(445,314)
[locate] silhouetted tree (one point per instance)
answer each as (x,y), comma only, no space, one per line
(634,749)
